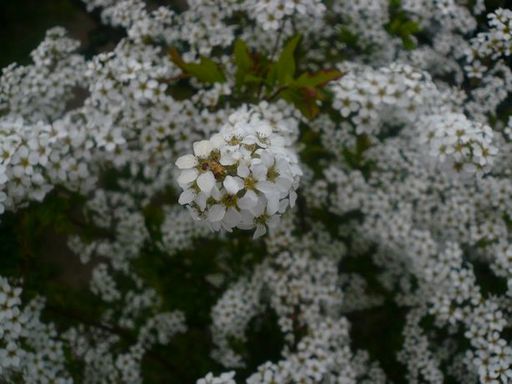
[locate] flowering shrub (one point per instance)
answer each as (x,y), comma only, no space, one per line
(365,145)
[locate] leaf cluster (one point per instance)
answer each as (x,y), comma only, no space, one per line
(258,77)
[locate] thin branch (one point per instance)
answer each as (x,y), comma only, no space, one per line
(276,93)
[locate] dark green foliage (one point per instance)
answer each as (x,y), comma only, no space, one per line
(206,70)
(401,26)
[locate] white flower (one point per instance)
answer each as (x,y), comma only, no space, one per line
(225,378)
(245,176)
(460,145)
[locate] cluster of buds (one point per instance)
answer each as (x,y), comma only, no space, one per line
(460,145)
(243,177)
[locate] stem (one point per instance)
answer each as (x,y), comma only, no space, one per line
(276,93)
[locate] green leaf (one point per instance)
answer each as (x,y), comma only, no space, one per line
(250,78)
(410,27)
(304,99)
(306,91)
(348,37)
(283,70)
(316,79)
(394,26)
(409,43)
(243,61)
(206,70)
(404,28)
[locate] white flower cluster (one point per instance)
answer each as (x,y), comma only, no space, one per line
(231,316)
(225,378)
(30,350)
(10,326)
(37,92)
(370,98)
(270,13)
(303,290)
(243,177)
(180,230)
(377,101)
(25,155)
(367,19)
(458,144)
(322,356)
(137,308)
(495,43)
(379,234)
(415,355)
(486,55)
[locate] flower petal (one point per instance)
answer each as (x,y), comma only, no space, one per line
(233,184)
(284,184)
(259,172)
(186,162)
(232,218)
(187,176)
(206,182)
(186,197)
(243,170)
(202,148)
(293,198)
(260,231)
(217,141)
(216,213)
(248,201)
(260,207)
(272,204)
(201,201)
(267,187)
